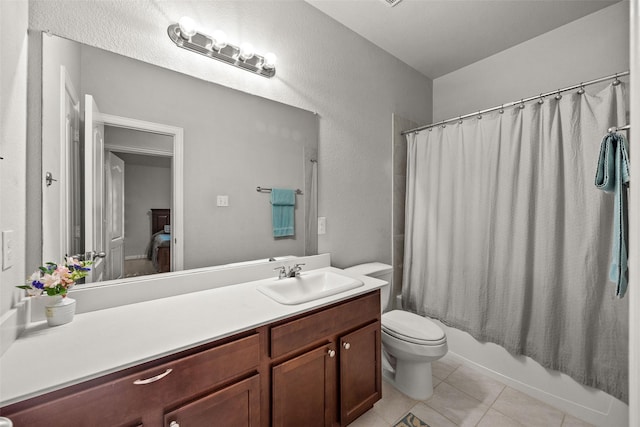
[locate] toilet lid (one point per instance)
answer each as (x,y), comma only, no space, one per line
(412,328)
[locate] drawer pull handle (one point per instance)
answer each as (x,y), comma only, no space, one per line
(174,424)
(346,345)
(153,379)
(332,353)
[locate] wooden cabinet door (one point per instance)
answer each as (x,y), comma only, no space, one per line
(360,372)
(304,391)
(237,405)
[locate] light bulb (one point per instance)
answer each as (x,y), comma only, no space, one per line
(188,27)
(269,61)
(246,51)
(219,40)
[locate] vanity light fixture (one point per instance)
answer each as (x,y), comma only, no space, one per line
(185,34)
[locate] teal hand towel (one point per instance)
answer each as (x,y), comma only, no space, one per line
(612,175)
(283,203)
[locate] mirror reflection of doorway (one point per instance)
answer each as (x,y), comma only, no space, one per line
(147,187)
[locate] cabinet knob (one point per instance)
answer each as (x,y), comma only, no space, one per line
(346,345)
(331,353)
(174,424)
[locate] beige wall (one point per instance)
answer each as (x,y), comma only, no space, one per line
(353,85)
(591,47)
(13,115)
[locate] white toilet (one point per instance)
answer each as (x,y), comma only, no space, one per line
(409,342)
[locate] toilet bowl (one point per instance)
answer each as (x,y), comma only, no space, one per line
(409,342)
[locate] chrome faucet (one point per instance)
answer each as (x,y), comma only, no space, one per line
(292,272)
(295,270)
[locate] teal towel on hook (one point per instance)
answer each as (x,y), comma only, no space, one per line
(283,204)
(612,175)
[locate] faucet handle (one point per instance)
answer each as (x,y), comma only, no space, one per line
(282,271)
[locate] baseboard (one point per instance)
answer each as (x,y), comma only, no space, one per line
(131,257)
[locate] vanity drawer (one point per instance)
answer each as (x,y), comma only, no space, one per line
(330,322)
(134,398)
(195,374)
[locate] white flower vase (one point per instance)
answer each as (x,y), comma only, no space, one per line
(60,310)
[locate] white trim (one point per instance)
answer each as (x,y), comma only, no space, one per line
(138,150)
(634,226)
(177,212)
(66,87)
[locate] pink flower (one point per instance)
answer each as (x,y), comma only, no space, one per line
(50,280)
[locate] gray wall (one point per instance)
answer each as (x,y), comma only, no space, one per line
(591,47)
(322,66)
(147,185)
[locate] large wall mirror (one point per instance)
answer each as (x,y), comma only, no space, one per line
(159,171)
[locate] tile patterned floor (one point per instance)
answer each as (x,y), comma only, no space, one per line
(462,396)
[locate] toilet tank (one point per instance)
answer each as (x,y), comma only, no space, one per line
(376,270)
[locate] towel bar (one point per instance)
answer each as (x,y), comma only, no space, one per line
(268,190)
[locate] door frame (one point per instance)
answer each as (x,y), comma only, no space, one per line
(177,173)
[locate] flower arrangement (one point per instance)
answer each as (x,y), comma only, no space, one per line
(56,279)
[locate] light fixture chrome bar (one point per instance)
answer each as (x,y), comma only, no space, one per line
(520,102)
(204,45)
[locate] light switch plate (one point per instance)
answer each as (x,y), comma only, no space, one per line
(7,249)
(322,225)
(222,201)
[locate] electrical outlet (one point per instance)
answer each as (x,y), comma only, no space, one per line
(7,249)
(322,225)
(222,201)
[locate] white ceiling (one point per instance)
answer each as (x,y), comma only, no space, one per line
(437,37)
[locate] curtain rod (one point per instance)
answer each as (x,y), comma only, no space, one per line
(521,102)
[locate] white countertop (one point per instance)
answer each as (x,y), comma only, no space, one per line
(97,343)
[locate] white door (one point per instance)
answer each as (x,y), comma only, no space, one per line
(114,204)
(94,236)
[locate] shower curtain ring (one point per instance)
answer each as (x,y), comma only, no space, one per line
(541,100)
(460,120)
(581,90)
(501,110)
(479,115)
(558,96)
(616,82)
(521,106)
(443,125)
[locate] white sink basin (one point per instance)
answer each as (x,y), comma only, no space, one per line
(308,286)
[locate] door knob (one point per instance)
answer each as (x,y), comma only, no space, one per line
(346,345)
(93,255)
(331,353)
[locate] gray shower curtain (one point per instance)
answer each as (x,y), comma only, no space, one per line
(508,238)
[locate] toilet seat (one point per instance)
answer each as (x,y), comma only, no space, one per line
(412,328)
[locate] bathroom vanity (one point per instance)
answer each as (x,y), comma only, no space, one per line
(310,364)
